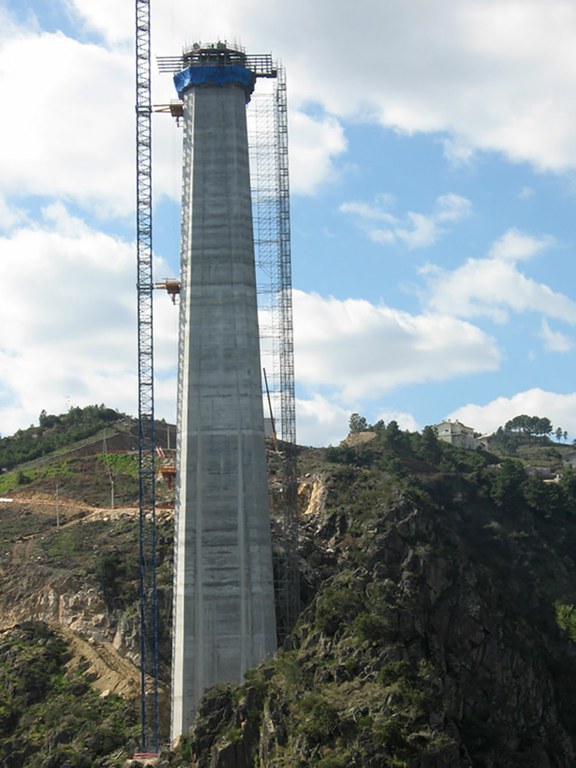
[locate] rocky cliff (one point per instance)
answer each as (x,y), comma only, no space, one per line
(431,640)
(437,625)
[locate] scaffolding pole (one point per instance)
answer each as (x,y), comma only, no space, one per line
(268,140)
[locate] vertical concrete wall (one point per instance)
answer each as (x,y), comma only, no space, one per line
(224,619)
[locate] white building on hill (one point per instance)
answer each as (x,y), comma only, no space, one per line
(456,433)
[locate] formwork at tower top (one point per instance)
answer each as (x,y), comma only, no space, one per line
(268,148)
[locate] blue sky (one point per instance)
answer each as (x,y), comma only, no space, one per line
(432,158)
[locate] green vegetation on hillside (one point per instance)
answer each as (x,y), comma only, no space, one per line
(54,432)
(50,717)
(85,478)
(526,430)
(438,621)
(396,450)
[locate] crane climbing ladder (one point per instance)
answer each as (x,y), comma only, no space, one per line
(146,437)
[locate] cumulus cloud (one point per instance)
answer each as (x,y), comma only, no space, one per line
(403,419)
(361,350)
(85,150)
(10,215)
(321,421)
(482,72)
(518,246)
(483,90)
(69,128)
(554,341)
(72,291)
(559,408)
(483,79)
(484,76)
(113,20)
(493,287)
(375,211)
(314,144)
(415,230)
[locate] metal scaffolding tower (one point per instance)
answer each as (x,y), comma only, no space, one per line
(268,142)
(146,442)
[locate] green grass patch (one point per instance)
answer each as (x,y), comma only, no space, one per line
(120,463)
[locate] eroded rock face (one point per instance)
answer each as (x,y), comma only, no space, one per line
(430,642)
(61,600)
(428,636)
(81,575)
(30,594)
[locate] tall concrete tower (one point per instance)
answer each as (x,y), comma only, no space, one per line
(224,617)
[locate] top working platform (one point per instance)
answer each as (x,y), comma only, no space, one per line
(219,55)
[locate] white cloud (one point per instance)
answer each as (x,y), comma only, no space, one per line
(466,81)
(70,126)
(10,215)
(68,320)
(403,419)
(484,78)
(113,20)
(493,287)
(314,143)
(320,421)
(554,341)
(417,230)
(359,350)
(482,74)
(423,232)
(376,211)
(323,422)
(514,245)
(559,408)
(452,207)
(526,193)
(485,73)
(84,148)
(457,151)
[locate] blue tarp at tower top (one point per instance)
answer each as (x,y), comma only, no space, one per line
(209,75)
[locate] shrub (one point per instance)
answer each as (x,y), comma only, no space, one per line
(566,620)
(22,478)
(336,606)
(319,719)
(373,627)
(334,761)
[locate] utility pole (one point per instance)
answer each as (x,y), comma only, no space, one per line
(109,470)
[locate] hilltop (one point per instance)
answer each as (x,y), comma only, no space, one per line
(438,625)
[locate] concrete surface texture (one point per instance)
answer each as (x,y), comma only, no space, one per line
(224,617)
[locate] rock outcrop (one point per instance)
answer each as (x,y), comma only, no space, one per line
(431,641)
(429,636)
